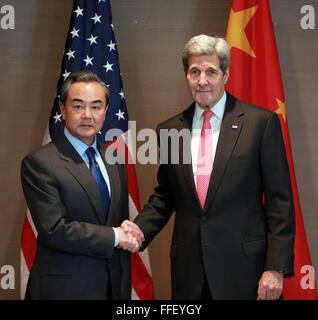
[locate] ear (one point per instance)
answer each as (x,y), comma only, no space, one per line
(62,108)
(226,76)
(106,108)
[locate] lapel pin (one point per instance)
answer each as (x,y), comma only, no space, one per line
(234,126)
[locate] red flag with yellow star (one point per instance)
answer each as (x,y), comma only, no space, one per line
(255,77)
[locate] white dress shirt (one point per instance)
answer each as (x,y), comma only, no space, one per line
(197,123)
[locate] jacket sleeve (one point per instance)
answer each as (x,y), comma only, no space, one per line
(279,206)
(157,212)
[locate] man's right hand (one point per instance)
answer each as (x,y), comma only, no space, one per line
(127,241)
(134,230)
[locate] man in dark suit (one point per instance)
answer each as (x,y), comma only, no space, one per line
(74,209)
(234,228)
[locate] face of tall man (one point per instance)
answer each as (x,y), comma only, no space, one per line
(84,110)
(206,80)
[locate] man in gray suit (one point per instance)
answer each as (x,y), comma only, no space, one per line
(79,244)
(234,227)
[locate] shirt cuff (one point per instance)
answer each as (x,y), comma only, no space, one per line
(116,237)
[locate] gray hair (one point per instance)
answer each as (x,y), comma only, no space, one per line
(206,45)
(81,76)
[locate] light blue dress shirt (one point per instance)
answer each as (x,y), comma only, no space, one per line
(81,147)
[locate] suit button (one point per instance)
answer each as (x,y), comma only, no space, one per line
(204,218)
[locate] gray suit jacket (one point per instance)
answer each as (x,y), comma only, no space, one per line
(75,257)
(236,236)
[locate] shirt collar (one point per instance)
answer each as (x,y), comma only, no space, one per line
(218,109)
(79,146)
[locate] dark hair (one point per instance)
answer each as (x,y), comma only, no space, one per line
(81,76)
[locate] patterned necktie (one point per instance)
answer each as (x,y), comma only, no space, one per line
(97,174)
(205,158)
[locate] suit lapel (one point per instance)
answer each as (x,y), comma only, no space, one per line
(79,170)
(186,123)
(230,130)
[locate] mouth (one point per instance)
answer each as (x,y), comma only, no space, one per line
(203,91)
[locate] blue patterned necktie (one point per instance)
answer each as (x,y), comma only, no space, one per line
(97,174)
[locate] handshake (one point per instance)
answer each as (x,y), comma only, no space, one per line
(130,236)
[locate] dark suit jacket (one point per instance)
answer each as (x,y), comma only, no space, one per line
(75,257)
(236,236)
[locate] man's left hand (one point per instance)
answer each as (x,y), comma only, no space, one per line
(270,286)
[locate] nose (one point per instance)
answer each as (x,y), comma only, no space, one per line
(202,79)
(87,113)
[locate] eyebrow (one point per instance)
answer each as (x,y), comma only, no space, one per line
(77,100)
(80,100)
(198,68)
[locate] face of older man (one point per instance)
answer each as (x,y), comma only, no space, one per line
(206,80)
(84,111)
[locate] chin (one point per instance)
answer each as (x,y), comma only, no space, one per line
(202,104)
(87,131)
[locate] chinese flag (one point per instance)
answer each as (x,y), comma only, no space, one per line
(255,78)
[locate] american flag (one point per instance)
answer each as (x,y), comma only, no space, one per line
(90,44)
